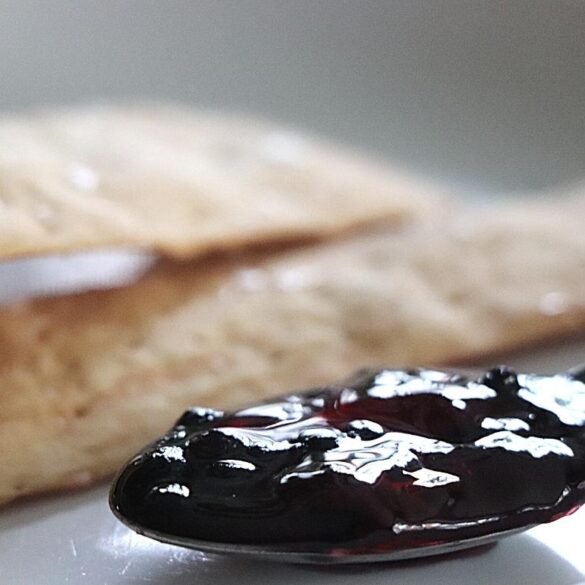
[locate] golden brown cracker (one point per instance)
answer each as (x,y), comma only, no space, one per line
(182,182)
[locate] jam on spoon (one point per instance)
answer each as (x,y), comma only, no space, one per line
(389,460)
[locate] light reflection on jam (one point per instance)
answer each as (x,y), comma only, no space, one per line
(390,459)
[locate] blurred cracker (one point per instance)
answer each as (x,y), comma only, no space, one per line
(182,182)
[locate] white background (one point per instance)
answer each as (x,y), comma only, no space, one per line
(487,94)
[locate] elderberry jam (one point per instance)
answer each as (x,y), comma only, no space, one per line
(388,460)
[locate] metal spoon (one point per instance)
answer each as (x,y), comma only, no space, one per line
(300,553)
(286,554)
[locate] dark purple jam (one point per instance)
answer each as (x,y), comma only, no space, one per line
(388,460)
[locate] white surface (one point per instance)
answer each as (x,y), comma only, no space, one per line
(74,539)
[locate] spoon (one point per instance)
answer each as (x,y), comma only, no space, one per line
(286,554)
(388,465)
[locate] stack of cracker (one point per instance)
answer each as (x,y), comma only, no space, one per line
(282,263)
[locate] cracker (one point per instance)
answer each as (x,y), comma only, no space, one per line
(182,183)
(86,380)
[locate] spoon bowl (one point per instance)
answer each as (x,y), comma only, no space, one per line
(335,556)
(386,466)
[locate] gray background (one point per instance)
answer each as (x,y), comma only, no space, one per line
(487,95)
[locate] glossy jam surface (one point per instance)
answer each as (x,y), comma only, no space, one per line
(389,459)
